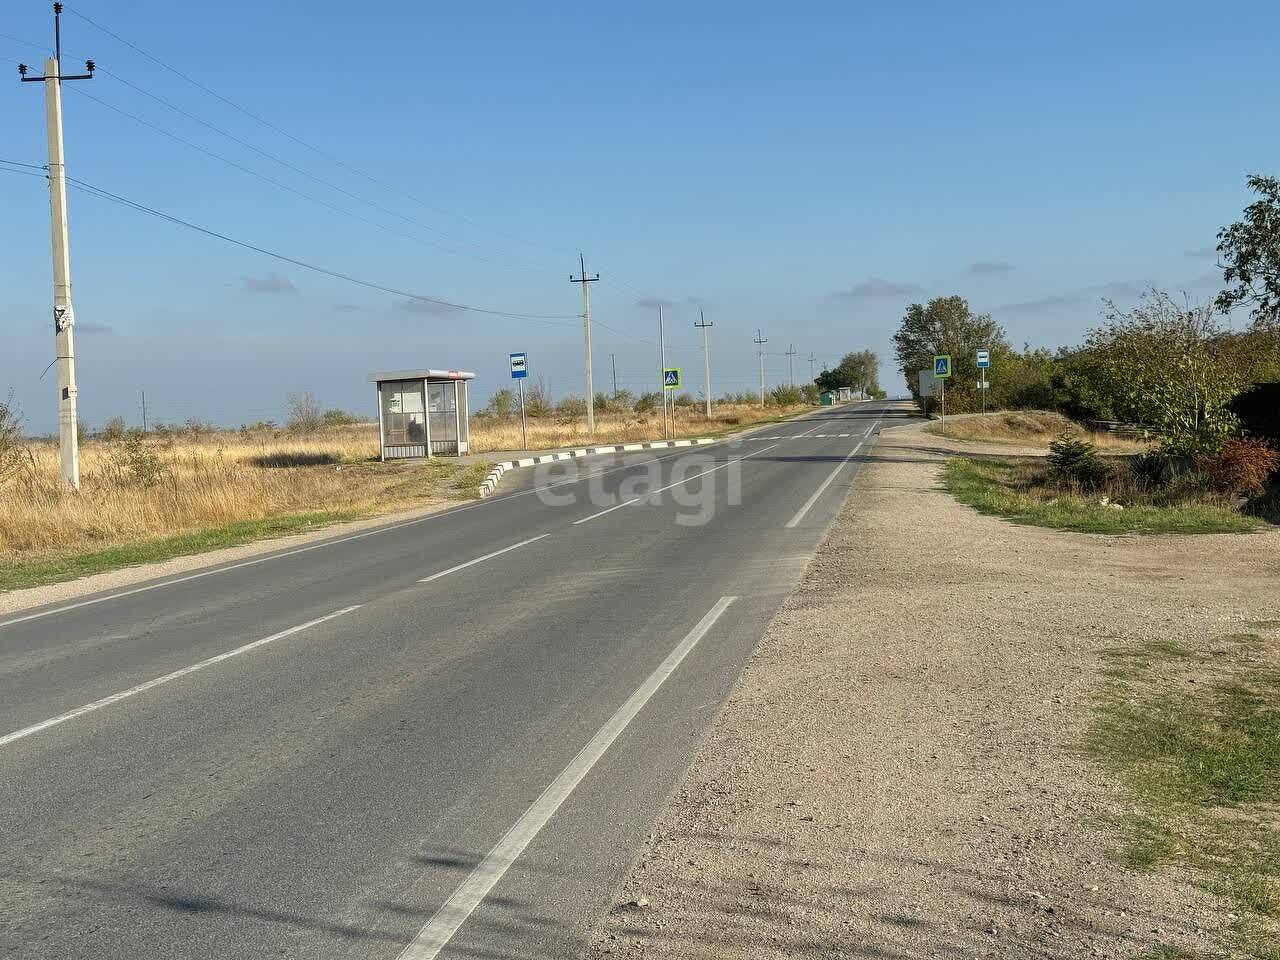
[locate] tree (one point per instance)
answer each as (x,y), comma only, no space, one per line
(1165,369)
(502,402)
(1249,253)
(946,325)
(304,412)
(858,371)
(11,446)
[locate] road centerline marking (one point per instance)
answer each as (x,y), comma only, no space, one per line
(652,493)
(439,930)
(488,556)
(795,521)
(143,687)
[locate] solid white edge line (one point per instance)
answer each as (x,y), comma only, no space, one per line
(487,556)
(795,521)
(439,930)
(142,687)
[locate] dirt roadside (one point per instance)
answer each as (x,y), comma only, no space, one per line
(895,774)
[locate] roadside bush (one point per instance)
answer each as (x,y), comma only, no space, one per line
(502,403)
(537,402)
(571,406)
(648,402)
(682,400)
(338,418)
(304,413)
(1241,467)
(10,440)
(1258,409)
(784,395)
(113,429)
(1075,463)
(134,464)
(603,402)
(809,392)
(622,400)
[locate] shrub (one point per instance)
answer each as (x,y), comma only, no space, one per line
(338,418)
(1259,411)
(113,429)
(10,439)
(305,414)
(1074,462)
(809,392)
(683,400)
(133,463)
(622,400)
(503,402)
(785,396)
(537,402)
(1241,467)
(571,406)
(648,402)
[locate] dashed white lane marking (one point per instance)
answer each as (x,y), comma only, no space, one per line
(488,556)
(433,937)
(143,687)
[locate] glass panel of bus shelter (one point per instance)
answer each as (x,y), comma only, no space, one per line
(442,409)
(403,412)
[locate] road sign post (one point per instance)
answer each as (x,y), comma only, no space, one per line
(942,373)
(519,372)
(983,360)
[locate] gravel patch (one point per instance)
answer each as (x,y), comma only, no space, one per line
(895,774)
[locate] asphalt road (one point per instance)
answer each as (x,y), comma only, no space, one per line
(441,737)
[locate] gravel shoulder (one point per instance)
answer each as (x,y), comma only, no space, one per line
(896,772)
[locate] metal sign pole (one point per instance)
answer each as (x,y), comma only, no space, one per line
(524,424)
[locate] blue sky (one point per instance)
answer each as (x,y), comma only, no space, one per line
(807,169)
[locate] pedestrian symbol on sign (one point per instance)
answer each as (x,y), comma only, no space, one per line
(942,366)
(671,378)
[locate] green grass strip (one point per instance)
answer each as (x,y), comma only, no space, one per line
(38,573)
(985,486)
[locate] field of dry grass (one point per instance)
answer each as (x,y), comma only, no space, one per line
(545,433)
(1029,428)
(139,489)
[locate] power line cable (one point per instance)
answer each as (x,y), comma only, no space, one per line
(278,183)
(335,274)
(350,168)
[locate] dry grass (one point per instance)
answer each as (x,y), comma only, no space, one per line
(139,489)
(1030,428)
(488,434)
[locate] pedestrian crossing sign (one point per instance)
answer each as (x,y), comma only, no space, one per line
(671,378)
(942,366)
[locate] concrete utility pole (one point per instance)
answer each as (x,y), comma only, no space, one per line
(791,370)
(662,368)
(701,324)
(760,341)
(586,281)
(63,315)
(613,364)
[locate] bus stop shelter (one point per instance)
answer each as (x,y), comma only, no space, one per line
(422,413)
